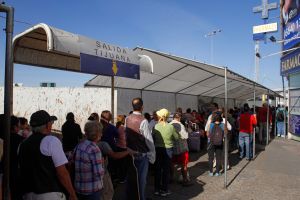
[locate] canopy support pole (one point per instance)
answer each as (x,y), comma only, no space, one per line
(113,99)
(275,122)
(198,109)
(226,132)
(284,106)
(287,121)
(175,101)
(8,95)
(268,119)
(254,112)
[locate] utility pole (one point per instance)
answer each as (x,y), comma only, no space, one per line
(8,95)
(264,9)
(257,58)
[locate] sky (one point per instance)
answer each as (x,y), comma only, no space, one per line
(177,27)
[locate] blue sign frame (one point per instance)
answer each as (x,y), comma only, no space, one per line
(259,36)
(290,63)
(103,66)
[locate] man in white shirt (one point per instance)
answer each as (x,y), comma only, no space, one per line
(210,119)
(139,139)
(42,162)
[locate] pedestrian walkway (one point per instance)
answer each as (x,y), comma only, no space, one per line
(274,174)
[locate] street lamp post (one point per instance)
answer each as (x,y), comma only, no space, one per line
(211,34)
(257,57)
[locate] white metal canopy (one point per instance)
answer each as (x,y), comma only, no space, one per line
(46,46)
(183,76)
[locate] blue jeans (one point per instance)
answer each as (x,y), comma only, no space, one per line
(93,196)
(280,128)
(262,131)
(245,140)
(251,145)
(142,164)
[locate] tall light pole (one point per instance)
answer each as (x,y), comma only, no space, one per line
(257,57)
(211,34)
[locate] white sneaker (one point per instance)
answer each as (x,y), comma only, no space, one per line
(165,193)
(214,163)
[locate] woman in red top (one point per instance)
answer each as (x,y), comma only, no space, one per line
(246,122)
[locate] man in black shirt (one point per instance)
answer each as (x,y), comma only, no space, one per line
(71,132)
(15,141)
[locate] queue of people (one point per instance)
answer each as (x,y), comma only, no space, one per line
(88,165)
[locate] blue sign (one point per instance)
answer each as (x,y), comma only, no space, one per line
(290,63)
(294,124)
(108,67)
(259,36)
(290,14)
(291,33)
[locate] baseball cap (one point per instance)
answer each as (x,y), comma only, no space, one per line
(40,118)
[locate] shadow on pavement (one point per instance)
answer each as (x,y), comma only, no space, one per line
(198,166)
(177,189)
(234,160)
(237,174)
(194,156)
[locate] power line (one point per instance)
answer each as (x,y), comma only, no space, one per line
(18,21)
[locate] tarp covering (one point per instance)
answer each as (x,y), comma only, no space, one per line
(178,75)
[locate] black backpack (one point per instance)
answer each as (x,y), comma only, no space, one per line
(216,135)
(280,116)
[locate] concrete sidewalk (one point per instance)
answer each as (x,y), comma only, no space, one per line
(274,174)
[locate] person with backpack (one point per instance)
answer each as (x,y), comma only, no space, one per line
(215,143)
(180,149)
(280,121)
(246,123)
(262,116)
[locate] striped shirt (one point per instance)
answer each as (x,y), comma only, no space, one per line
(89,168)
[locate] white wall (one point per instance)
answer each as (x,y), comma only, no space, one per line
(125,97)
(83,101)
(158,100)
(204,102)
(187,101)
(59,101)
(154,101)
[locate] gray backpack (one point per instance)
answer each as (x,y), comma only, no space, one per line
(216,134)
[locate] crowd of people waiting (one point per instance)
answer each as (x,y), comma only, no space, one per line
(87,165)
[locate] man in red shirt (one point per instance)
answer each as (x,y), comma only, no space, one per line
(262,119)
(247,121)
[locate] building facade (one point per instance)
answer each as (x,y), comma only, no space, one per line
(290,62)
